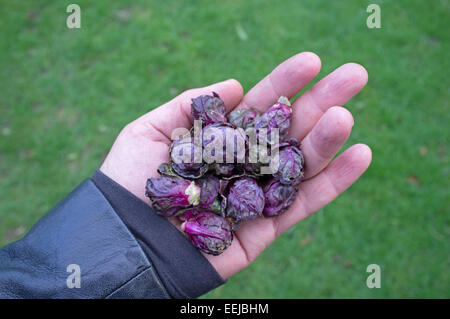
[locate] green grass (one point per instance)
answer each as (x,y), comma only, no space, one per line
(65,95)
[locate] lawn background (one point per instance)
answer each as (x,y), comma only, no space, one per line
(65,94)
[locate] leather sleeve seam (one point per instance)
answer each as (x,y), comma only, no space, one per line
(134,277)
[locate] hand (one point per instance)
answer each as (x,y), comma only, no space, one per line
(318,121)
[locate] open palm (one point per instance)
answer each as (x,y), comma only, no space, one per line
(318,120)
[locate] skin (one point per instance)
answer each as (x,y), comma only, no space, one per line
(318,120)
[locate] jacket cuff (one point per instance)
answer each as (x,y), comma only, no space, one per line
(182,269)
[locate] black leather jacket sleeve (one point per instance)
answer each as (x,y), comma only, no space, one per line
(85,248)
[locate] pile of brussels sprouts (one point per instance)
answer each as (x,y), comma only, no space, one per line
(212,197)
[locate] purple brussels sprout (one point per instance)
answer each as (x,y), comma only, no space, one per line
(209,109)
(216,207)
(166,169)
(210,199)
(276,117)
(238,171)
(278,197)
(290,162)
(184,163)
(171,194)
(223,144)
(209,192)
(245,199)
(228,171)
(253,161)
(195,170)
(243,118)
(186,214)
(208,232)
(223,169)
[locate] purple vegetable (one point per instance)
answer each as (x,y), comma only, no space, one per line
(208,232)
(290,163)
(278,116)
(186,214)
(251,167)
(223,144)
(171,194)
(223,169)
(209,109)
(182,153)
(243,118)
(245,199)
(209,201)
(217,207)
(278,198)
(193,171)
(209,190)
(166,169)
